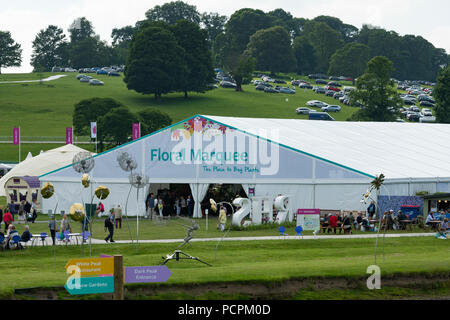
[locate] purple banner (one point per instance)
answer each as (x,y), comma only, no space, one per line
(308,211)
(147,274)
(69,135)
(136,130)
(16,135)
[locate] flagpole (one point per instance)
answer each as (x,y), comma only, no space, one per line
(19,144)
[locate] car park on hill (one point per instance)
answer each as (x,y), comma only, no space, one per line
(426,103)
(321,81)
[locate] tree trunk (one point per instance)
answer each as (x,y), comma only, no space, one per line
(185,94)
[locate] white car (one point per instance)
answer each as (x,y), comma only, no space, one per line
(316,103)
(303,110)
(426,112)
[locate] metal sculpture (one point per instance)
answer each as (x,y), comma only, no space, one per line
(137,181)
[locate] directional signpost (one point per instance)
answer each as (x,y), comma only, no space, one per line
(85,278)
(147,274)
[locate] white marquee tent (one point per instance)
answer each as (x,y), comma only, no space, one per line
(41,164)
(319,164)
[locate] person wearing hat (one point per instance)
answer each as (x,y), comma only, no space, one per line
(443,227)
(53,226)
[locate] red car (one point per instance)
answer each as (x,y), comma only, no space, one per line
(334,89)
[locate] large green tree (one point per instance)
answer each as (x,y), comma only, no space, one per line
(80,29)
(442,96)
(214,24)
(10,51)
(351,60)
(152,120)
(116,126)
(348,32)
(49,48)
(155,63)
(197,57)
(272,50)
(376,92)
(173,11)
(305,55)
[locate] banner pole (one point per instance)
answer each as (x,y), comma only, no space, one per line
(19,143)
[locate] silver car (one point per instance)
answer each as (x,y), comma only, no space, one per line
(95,82)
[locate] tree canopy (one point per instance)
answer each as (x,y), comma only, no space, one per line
(10,51)
(442,95)
(173,11)
(351,60)
(49,48)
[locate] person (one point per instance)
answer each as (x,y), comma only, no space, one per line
(190,206)
(332,223)
(26,235)
(347,223)
(359,221)
(160,206)
(429,218)
(100,209)
(85,226)
(400,217)
(33,211)
(10,234)
(183,206)
(7,219)
(21,211)
(65,226)
(53,228)
(443,227)
(118,216)
(151,206)
(371,209)
(222,218)
(109,224)
(1,214)
(325,221)
(178,206)
(12,209)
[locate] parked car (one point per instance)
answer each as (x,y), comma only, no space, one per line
(317,76)
(271,90)
(429,119)
(102,72)
(414,109)
(334,78)
(85,79)
(316,103)
(95,82)
(413,116)
(426,112)
(409,102)
(227,84)
(329,93)
(260,87)
(334,84)
(287,90)
(113,74)
(320,116)
(333,89)
(303,110)
(338,95)
(320,90)
(331,108)
(321,81)
(305,85)
(426,103)
(280,81)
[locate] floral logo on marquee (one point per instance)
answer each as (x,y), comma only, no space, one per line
(199,125)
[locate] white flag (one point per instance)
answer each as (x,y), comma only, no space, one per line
(93,130)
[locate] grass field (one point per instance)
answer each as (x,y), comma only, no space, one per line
(46,110)
(239,261)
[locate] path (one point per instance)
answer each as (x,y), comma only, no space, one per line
(44,80)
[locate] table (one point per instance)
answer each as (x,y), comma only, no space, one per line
(434,223)
(75,236)
(35,237)
(408,223)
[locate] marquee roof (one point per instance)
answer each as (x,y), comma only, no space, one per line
(398,150)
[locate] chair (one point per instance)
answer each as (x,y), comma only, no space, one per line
(2,241)
(282,231)
(15,241)
(299,230)
(43,237)
(67,236)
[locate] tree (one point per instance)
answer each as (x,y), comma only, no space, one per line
(49,48)
(272,50)
(325,42)
(347,31)
(80,29)
(351,60)
(152,120)
(241,68)
(173,11)
(376,92)
(214,24)
(116,126)
(155,63)
(10,52)
(305,55)
(197,57)
(442,96)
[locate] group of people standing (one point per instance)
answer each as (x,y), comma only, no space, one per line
(168,204)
